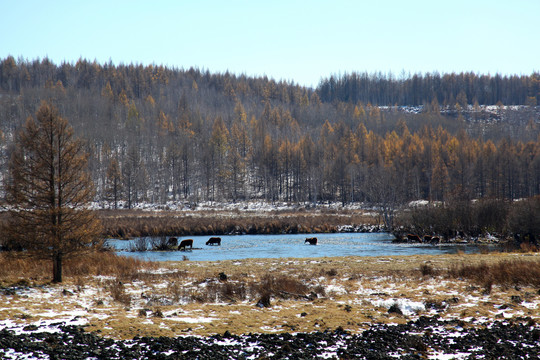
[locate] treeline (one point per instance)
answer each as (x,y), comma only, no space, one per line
(420,89)
(158,134)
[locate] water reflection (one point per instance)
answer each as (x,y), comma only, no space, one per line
(234,247)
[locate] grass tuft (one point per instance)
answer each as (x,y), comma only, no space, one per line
(118,292)
(16,268)
(508,273)
(282,286)
(428,271)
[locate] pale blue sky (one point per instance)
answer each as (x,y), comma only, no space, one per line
(300,41)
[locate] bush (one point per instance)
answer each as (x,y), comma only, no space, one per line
(118,292)
(461,217)
(523,220)
(140,244)
(279,285)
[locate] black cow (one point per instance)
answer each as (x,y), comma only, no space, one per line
(412,237)
(185,243)
(311,241)
(172,242)
(214,241)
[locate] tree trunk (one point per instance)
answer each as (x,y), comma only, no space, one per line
(57,268)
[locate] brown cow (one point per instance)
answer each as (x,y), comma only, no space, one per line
(185,243)
(214,241)
(413,237)
(311,241)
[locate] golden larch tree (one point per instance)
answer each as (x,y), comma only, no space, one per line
(48,189)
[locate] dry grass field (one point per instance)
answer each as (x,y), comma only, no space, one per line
(123,298)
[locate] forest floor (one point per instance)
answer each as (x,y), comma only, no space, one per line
(278,295)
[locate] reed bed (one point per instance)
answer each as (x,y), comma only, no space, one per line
(136,223)
(15,268)
(517,272)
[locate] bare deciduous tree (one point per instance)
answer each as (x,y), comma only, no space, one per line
(384,193)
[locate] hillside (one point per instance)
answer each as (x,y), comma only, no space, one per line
(161,134)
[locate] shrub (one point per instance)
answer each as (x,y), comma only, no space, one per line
(140,244)
(118,293)
(282,285)
(523,220)
(458,217)
(428,270)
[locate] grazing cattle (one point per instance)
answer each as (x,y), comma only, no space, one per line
(185,243)
(172,242)
(412,237)
(435,240)
(427,238)
(311,241)
(214,241)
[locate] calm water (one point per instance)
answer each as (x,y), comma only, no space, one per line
(235,247)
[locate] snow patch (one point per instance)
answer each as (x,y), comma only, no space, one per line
(335,289)
(406,306)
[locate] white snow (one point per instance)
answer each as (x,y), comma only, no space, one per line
(335,289)
(50,326)
(443,356)
(242,206)
(193,320)
(406,306)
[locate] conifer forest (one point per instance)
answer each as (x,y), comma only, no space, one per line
(159,134)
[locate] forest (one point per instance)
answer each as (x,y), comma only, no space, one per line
(418,89)
(159,134)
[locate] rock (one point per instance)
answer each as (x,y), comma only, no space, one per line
(516,299)
(264,301)
(394,309)
(418,339)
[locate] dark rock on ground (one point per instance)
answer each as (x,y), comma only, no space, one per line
(414,340)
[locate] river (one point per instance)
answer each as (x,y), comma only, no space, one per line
(235,247)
